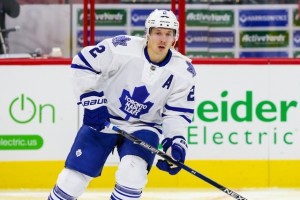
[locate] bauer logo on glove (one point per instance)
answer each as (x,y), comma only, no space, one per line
(93,100)
(95,109)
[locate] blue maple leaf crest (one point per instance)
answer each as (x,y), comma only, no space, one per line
(135,105)
(120,40)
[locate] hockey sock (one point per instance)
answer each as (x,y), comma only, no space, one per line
(59,194)
(125,193)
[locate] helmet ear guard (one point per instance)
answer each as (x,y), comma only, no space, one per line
(162,19)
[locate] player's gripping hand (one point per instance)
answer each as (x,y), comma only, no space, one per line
(95,109)
(175,147)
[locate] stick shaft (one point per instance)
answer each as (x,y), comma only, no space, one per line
(169,159)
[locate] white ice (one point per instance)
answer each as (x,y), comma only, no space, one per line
(166,194)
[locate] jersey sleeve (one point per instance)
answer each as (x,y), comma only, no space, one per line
(179,109)
(90,67)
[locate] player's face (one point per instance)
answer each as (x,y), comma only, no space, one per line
(160,41)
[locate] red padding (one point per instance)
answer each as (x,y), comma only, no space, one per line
(214,61)
(229,61)
(35,61)
(247,61)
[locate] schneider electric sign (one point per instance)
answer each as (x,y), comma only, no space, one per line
(264,111)
(246,112)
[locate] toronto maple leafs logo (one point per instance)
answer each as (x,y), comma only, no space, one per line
(191,69)
(134,105)
(120,40)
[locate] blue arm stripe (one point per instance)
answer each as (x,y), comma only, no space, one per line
(183,116)
(179,109)
(186,118)
(75,66)
(92,93)
(84,60)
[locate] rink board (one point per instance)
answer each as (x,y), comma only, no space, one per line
(232,174)
(220,146)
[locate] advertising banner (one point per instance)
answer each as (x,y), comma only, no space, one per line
(210,18)
(264,54)
(99,36)
(296,37)
(246,112)
(264,39)
(139,16)
(209,54)
(38,113)
(212,39)
(263,18)
(241,31)
(256,27)
(106,17)
(242,112)
(296,19)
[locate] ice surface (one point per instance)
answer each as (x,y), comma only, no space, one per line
(166,194)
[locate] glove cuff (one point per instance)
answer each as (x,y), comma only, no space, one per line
(95,110)
(180,140)
(167,142)
(93,100)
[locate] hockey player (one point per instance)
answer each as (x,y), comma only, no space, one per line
(143,86)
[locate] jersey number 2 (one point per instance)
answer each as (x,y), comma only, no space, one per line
(191,96)
(96,50)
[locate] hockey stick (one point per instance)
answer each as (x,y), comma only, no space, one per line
(169,159)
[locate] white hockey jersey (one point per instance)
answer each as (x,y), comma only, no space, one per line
(141,94)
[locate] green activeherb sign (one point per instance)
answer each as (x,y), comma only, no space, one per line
(264,39)
(210,18)
(296,54)
(296,19)
(106,17)
(138,33)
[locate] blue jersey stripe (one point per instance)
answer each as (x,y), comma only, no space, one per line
(186,118)
(75,66)
(179,109)
(84,60)
(183,116)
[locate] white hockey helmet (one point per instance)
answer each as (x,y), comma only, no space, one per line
(162,19)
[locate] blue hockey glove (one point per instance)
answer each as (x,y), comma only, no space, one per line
(95,110)
(175,147)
